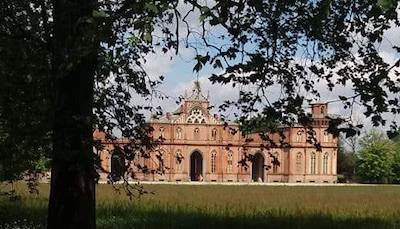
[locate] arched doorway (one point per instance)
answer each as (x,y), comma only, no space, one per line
(257,169)
(196,166)
(118,167)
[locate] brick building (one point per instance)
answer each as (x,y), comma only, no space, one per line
(198,147)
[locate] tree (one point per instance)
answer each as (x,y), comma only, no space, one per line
(396,160)
(25,139)
(396,166)
(90,55)
(375,163)
(75,49)
(296,44)
(74,58)
(346,160)
(347,153)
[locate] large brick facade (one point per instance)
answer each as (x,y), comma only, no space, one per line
(198,147)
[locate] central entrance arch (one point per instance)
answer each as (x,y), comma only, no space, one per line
(257,168)
(196,166)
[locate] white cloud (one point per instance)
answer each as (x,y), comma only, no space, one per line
(390,38)
(158,64)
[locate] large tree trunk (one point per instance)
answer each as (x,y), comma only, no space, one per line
(72,190)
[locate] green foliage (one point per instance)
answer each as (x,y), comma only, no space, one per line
(387,4)
(297,44)
(262,41)
(261,45)
(396,160)
(28,64)
(376,158)
(396,166)
(375,163)
(24,102)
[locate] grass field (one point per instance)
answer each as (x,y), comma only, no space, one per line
(216,206)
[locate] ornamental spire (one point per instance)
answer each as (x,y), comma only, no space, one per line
(197,88)
(196,92)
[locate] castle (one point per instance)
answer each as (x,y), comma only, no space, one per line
(198,146)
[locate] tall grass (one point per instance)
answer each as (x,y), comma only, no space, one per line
(214,206)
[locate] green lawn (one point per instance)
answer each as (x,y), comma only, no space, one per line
(216,206)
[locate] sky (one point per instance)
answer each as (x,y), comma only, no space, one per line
(179,76)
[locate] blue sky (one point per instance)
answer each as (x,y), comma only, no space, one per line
(179,75)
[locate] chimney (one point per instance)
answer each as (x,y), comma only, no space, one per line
(168,115)
(319,110)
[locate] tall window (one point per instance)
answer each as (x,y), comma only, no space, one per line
(136,158)
(178,133)
(146,160)
(313,163)
(275,162)
(326,136)
(178,161)
(214,134)
(162,132)
(299,162)
(231,133)
(213,162)
(160,160)
(325,163)
(229,168)
(299,136)
(196,133)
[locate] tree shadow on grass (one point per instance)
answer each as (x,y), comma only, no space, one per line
(183,219)
(114,217)
(15,215)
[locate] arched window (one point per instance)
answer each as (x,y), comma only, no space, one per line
(214,134)
(326,136)
(229,167)
(299,136)
(178,161)
(299,160)
(325,163)
(137,156)
(213,162)
(275,162)
(322,109)
(313,163)
(196,116)
(231,133)
(178,133)
(196,133)
(160,160)
(162,132)
(147,160)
